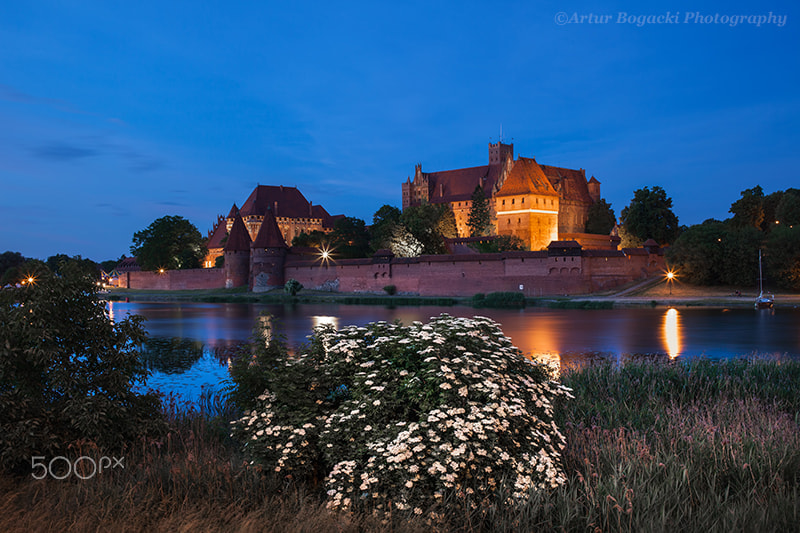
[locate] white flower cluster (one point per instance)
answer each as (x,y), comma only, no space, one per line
(422,410)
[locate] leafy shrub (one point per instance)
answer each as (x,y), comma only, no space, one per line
(390,290)
(411,415)
(499,299)
(67,372)
(292,287)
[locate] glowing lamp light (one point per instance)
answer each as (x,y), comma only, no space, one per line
(670,278)
(325,254)
(160,270)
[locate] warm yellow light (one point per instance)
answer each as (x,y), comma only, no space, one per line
(325,254)
(160,270)
(671,333)
(670,275)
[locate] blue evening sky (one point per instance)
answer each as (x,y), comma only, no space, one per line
(113,114)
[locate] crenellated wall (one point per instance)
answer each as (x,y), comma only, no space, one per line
(537,273)
(464,275)
(174,280)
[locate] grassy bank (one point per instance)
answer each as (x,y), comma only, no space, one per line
(651,446)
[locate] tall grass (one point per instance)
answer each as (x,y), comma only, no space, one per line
(651,446)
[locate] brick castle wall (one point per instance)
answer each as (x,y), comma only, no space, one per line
(465,275)
(441,275)
(174,280)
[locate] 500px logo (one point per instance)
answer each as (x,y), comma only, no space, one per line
(84,467)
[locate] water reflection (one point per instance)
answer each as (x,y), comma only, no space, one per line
(322,320)
(565,337)
(171,355)
(671,333)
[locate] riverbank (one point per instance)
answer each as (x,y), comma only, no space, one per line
(698,446)
(651,293)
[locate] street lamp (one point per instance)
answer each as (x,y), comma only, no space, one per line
(670,277)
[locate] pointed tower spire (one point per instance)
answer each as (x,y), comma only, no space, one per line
(269,234)
(238,238)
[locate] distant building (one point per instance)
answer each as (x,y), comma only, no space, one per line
(537,203)
(293,215)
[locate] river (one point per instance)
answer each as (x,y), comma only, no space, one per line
(561,336)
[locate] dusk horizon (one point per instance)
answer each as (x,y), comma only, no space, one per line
(116,116)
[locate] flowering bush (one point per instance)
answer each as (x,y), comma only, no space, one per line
(398,417)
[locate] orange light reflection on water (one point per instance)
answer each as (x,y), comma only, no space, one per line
(672,333)
(542,334)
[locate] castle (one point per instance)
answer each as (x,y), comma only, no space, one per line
(545,206)
(290,210)
(537,203)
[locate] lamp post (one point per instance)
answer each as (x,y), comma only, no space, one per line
(670,277)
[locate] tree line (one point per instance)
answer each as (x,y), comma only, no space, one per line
(725,252)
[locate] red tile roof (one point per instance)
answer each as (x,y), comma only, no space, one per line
(233,212)
(572,183)
(458,185)
(218,235)
(239,238)
(526,177)
(286,202)
(269,234)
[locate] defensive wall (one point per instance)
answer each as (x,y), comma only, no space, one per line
(533,273)
(174,280)
(541,273)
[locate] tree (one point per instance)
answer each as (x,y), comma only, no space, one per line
(479,221)
(67,372)
(698,253)
(749,209)
(787,211)
(499,243)
(9,262)
(782,256)
(111,264)
(383,223)
(350,238)
(56,263)
(601,218)
(447,226)
(314,239)
(403,243)
(650,216)
(170,242)
(422,221)
(770,204)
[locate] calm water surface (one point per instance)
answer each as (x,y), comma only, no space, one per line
(564,336)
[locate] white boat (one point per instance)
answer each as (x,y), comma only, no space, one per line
(764,301)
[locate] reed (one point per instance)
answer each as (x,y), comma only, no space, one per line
(651,446)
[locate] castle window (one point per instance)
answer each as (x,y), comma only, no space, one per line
(504,202)
(523,200)
(512,201)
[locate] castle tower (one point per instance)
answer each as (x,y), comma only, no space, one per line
(234,212)
(237,254)
(594,189)
(268,256)
(499,152)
